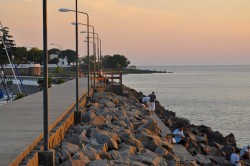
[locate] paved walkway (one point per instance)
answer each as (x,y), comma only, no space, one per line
(178,150)
(21,121)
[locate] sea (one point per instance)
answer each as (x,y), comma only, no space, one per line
(215,96)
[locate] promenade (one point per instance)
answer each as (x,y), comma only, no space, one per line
(21,121)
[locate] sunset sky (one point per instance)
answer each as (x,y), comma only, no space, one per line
(147,32)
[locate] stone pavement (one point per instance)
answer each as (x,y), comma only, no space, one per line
(178,150)
(21,121)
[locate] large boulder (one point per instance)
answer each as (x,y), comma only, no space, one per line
(219,160)
(86,117)
(74,139)
(126,150)
(128,138)
(202,159)
(161,151)
(80,156)
(90,153)
(98,163)
(65,155)
(150,125)
(115,155)
(149,158)
(109,138)
(91,131)
(98,121)
(74,163)
(71,148)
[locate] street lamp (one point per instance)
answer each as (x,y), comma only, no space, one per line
(60,56)
(77,69)
(73,23)
(99,48)
(45,79)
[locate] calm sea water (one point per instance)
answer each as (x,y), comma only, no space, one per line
(216,96)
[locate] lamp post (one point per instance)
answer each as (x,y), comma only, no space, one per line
(99,48)
(73,23)
(76,25)
(45,79)
(60,56)
(94,61)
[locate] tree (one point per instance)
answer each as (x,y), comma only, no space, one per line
(116,61)
(54,51)
(35,55)
(107,61)
(121,61)
(53,61)
(71,55)
(20,54)
(6,42)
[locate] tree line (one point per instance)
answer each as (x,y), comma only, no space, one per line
(21,55)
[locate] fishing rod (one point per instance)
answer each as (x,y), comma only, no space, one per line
(158,86)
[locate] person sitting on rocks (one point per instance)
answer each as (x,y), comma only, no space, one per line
(101,75)
(245,152)
(235,158)
(145,101)
(180,137)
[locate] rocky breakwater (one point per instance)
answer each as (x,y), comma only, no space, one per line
(115,130)
(207,146)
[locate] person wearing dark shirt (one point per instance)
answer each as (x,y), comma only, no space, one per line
(152,102)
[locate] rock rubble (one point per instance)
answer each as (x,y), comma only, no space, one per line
(117,130)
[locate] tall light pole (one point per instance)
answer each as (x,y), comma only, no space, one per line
(94,62)
(73,23)
(77,69)
(60,55)
(45,79)
(99,47)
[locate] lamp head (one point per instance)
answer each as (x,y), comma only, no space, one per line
(64,10)
(73,23)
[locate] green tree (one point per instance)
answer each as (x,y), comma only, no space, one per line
(6,42)
(35,55)
(121,61)
(53,61)
(54,51)
(20,54)
(107,61)
(116,61)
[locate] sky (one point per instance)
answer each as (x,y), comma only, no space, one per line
(147,32)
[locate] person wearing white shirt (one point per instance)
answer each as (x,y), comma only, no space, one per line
(235,158)
(146,101)
(180,137)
